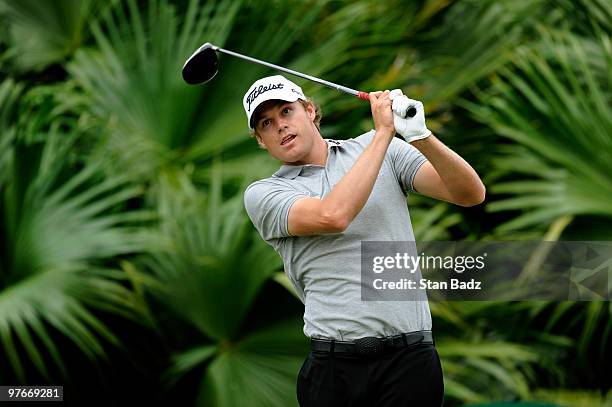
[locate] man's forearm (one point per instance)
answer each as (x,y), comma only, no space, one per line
(459,178)
(350,194)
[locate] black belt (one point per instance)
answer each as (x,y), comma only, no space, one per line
(371,345)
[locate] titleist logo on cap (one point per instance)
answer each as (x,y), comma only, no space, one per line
(261,89)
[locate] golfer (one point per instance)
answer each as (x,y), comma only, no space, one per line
(329,196)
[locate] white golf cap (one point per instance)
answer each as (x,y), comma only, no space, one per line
(268,88)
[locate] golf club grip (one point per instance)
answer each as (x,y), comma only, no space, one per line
(363,95)
(411,112)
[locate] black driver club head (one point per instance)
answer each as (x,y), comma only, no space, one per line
(202,66)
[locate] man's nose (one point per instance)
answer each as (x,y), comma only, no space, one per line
(281,126)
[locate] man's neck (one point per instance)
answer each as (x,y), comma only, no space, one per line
(319,153)
(317,156)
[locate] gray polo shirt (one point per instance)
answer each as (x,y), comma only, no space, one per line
(326,269)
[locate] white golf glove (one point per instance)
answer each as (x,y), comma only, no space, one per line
(411,128)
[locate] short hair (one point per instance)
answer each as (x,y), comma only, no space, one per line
(304,103)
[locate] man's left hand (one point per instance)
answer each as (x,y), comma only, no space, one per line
(411,128)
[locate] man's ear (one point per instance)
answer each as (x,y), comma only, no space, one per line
(312,113)
(260,141)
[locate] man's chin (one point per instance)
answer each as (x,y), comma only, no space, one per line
(292,160)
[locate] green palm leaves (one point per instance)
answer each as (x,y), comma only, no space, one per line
(559,115)
(45,33)
(213,252)
(60,225)
(132,82)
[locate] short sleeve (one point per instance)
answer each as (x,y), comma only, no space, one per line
(406,160)
(268,204)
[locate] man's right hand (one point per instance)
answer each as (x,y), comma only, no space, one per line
(380,103)
(335,211)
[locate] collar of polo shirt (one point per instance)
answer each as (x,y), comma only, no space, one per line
(292,171)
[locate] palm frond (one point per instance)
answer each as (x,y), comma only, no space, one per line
(476,39)
(213,251)
(432,223)
(559,111)
(574,398)
(496,362)
(133,78)
(57,232)
(10,93)
(42,33)
(261,368)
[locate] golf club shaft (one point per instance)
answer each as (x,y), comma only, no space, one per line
(360,95)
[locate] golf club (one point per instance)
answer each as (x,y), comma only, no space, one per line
(203,65)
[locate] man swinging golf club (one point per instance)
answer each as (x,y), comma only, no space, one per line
(328,197)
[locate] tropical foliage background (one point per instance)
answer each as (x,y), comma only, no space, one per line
(128,268)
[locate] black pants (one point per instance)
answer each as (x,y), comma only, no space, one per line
(410,376)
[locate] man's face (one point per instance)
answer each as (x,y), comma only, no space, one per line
(286,130)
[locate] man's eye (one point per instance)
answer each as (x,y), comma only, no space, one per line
(265,123)
(286,110)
